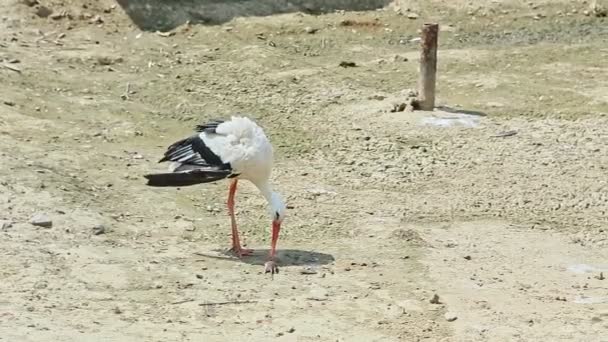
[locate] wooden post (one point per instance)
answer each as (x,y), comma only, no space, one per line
(428,67)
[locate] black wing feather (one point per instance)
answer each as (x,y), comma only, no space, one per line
(198,164)
(193,151)
(209,127)
(186,178)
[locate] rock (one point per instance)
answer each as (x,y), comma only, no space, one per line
(30,3)
(99,229)
(308,270)
(291,330)
(5,225)
(412,15)
(450,316)
(106,60)
(346,64)
(57,16)
(43,11)
(435,299)
(41,285)
(41,220)
(310,30)
(96,20)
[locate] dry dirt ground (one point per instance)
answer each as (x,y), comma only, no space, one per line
(387,209)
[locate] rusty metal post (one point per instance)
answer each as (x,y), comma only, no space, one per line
(428,67)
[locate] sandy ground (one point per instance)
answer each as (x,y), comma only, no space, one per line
(387,210)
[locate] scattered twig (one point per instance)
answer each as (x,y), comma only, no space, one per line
(183,301)
(165,34)
(504,134)
(229,302)
(125,96)
(11,67)
(317,299)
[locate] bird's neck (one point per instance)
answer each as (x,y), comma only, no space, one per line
(265,190)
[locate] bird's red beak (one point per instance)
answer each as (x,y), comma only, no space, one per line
(276,228)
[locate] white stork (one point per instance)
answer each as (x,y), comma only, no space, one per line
(234,149)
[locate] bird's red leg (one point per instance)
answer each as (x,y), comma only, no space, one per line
(236,244)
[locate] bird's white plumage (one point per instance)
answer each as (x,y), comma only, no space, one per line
(243,144)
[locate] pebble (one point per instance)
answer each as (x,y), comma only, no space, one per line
(97,20)
(99,229)
(435,299)
(308,270)
(450,317)
(412,15)
(310,30)
(41,220)
(4,225)
(43,11)
(30,3)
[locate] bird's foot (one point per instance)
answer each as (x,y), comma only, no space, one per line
(271,267)
(240,251)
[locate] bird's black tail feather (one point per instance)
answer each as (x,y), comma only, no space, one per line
(185,178)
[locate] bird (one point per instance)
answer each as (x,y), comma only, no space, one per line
(233,150)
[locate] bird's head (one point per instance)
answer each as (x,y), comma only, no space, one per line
(277,208)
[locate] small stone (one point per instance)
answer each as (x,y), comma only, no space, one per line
(467,257)
(450,317)
(308,270)
(105,60)
(9,103)
(41,285)
(310,30)
(41,220)
(99,229)
(199,276)
(30,3)
(375,286)
(346,64)
(57,16)
(117,310)
(412,15)
(43,11)
(5,225)
(291,330)
(96,20)
(435,299)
